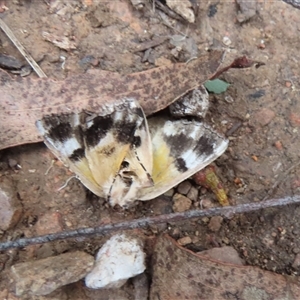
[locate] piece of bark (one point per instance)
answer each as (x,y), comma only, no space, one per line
(183,8)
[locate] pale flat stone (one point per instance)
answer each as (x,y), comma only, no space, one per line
(184,241)
(41,277)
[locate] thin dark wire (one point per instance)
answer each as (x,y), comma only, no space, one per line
(295,3)
(227,211)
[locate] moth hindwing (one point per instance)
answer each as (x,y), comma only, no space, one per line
(111,153)
(180,149)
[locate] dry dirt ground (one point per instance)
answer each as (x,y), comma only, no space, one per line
(261,103)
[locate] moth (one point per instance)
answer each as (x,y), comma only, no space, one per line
(122,156)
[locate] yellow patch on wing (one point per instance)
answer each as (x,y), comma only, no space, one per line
(83,171)
(163,164)
(104,166)
(164,172)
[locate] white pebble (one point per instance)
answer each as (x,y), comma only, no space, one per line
(120,258)
(226,41)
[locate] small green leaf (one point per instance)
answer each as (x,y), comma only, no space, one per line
(216,86)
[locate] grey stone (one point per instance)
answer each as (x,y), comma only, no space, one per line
(215,223)
(181,203)
(184,187)
(193,194)
(10,208)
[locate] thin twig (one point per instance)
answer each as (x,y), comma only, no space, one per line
(22,50)
(150,44)
(66,183)
(168,11)
(167,23)
(140,223)
(192,58)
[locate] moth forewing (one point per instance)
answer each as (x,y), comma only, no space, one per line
(94,146)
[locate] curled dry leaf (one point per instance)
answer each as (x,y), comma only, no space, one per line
(239,63)
(245,62)
(209,179)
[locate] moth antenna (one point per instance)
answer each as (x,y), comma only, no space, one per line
(109,192)
(140,162)
(50,167)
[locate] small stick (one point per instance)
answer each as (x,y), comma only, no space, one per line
(150,44)
(226,211)
(168,11)
(22,50)
(66,183)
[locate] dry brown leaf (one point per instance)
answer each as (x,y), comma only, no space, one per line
(181,274)
(23,101)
